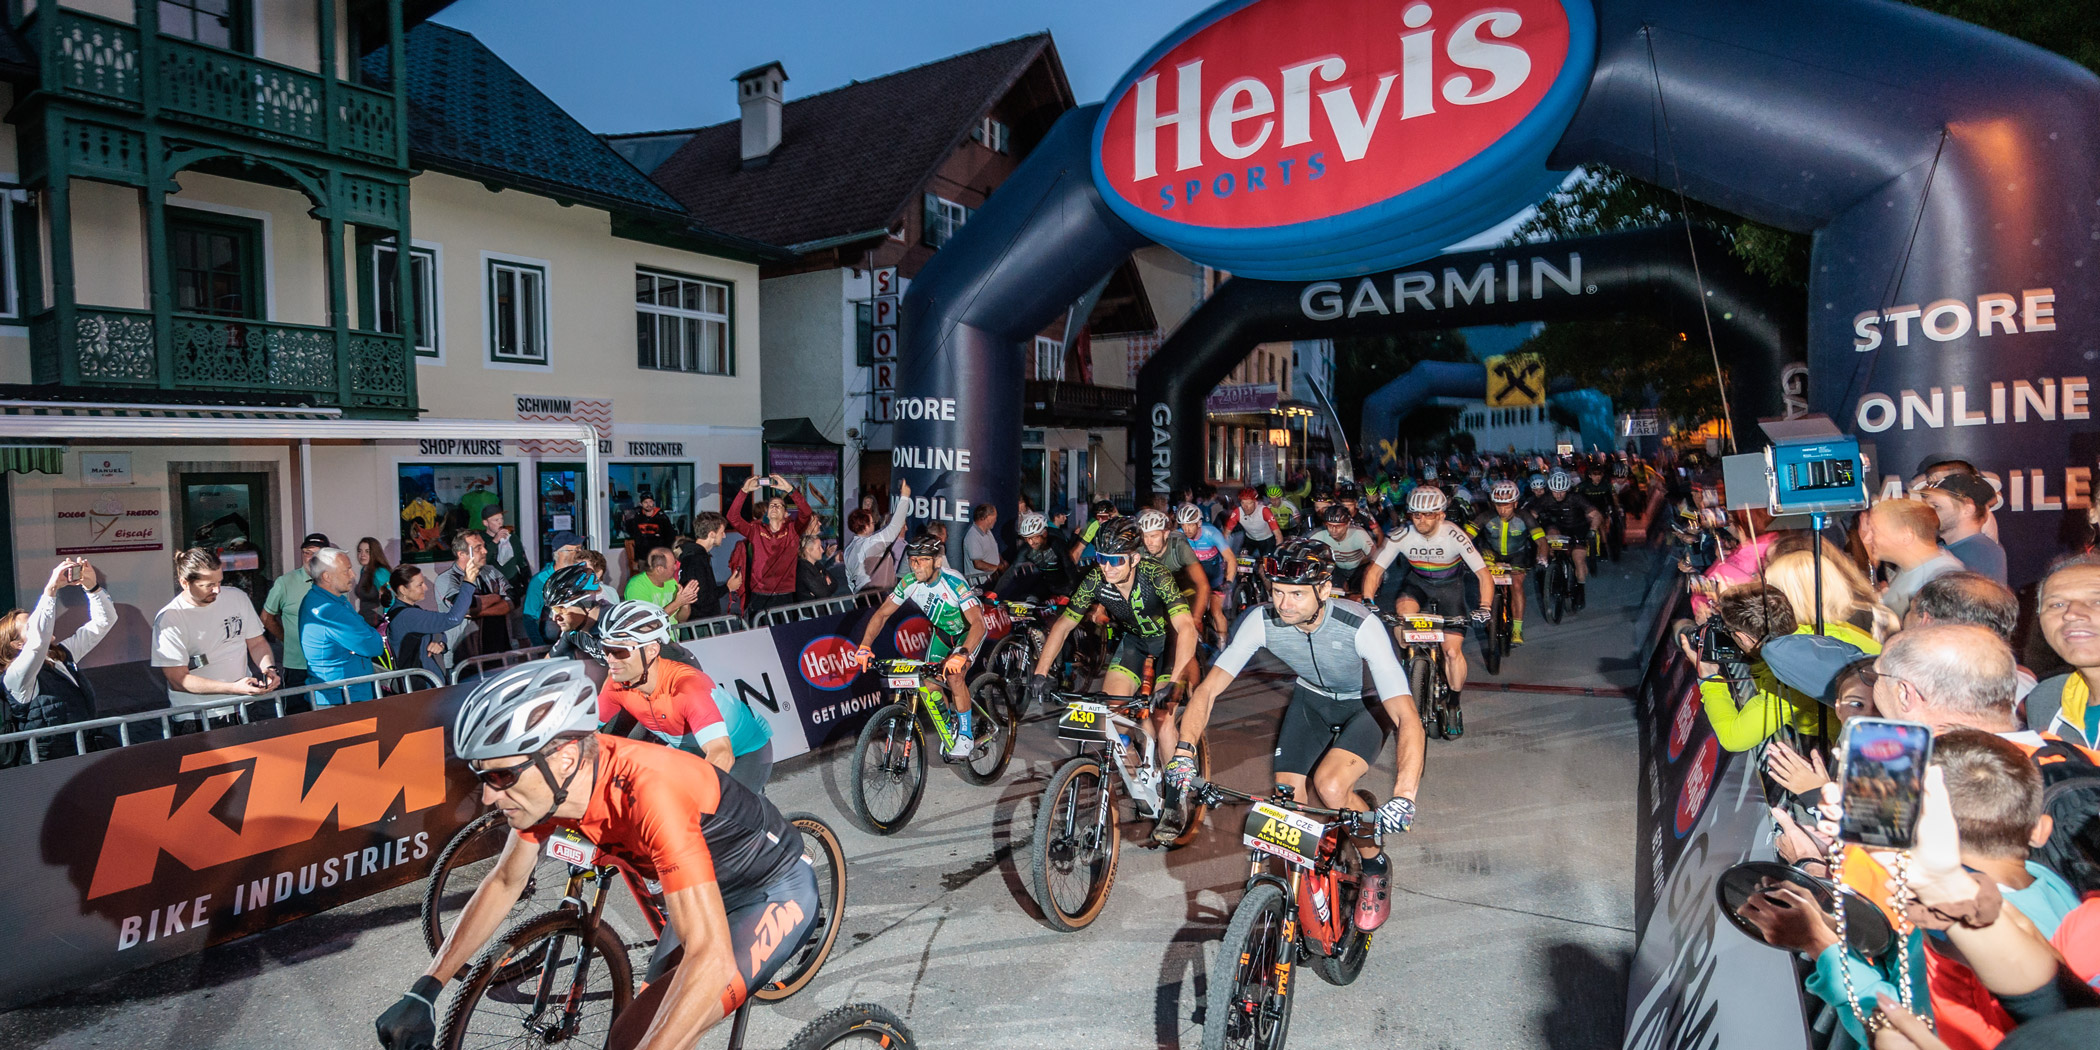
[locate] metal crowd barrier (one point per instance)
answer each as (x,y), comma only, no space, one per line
(691,630)
(811,610)
(477,666)
(236,705)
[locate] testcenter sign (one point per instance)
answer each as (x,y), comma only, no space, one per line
(1300,138)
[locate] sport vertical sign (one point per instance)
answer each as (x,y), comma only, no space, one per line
(883,306)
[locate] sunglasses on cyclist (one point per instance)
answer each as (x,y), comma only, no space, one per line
(620,652)
(503,778)
(1118,560)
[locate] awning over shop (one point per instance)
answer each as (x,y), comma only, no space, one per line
(32,459)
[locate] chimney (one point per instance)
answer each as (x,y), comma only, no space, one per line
(758,96)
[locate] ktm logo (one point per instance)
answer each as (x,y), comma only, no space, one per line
(773,927)
(282,810)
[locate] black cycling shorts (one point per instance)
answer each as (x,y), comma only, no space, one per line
(767,926)
(1315,722)
(1446,598)
(1131,650)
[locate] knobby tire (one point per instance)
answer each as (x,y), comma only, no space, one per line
(886,735)
(1067,809)
(822,845)
(854,1024)
(989,709)
(514,967)
(1245,969)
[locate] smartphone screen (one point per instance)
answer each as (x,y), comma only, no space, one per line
(1883,778)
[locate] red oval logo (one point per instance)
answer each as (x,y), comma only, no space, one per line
(911,637)
(1883,749)
(828,663)
(1286,111)
(1698,786)
(1688,709)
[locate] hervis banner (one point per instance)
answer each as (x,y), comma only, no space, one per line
(125,858)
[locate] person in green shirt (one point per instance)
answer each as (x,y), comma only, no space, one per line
(280,611)
(659,585)
(1755,615)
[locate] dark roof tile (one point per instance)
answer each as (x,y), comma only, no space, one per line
(849,158)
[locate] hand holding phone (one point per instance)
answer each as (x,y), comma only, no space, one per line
(1881,779)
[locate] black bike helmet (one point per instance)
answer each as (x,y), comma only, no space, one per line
(1102,506)
(926,545)
(1300,562)
(570,585)
(1118,537)
(1335,514)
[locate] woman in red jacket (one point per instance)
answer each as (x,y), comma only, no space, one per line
(775,542)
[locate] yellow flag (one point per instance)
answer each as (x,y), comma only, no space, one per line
(1515,380)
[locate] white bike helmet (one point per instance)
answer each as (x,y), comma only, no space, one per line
(1149,520)
(1460,492)
(1425,500)
(1031,524)
(635,623)
(1560,481)
(1188,514)
(1503,492)
(522,709)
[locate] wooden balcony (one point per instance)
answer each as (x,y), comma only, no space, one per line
(1063,404)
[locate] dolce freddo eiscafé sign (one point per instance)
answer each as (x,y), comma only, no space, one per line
(1296,139)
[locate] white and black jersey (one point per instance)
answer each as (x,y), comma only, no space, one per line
(1330,659)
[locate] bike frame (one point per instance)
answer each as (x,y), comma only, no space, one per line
(1303,919)
(1114,750)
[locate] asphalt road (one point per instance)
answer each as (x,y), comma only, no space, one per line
(1512,906)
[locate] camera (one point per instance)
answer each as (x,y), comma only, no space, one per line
(1717,644)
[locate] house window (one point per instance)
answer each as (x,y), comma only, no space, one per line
(517,313)
(216,263)
(682,324)
(1049,359)
(386,293)
(12,262)
(943,218)
(219,23)
(994,135)
(863,334)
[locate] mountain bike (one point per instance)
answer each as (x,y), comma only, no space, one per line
(1078,826)
(1013,657)
(889,759)
(1251,588)
(1495,642)
(1306,912)
(1422,639)
(472,852)
(1557,579)
(562,977)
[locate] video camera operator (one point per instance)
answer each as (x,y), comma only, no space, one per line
(1745,619)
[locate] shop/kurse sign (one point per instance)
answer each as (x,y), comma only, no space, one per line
(109,520)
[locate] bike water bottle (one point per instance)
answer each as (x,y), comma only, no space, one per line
(1319,899)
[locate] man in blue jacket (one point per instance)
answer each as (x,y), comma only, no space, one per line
(339,643)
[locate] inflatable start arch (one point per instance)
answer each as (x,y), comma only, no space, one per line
(1947,174)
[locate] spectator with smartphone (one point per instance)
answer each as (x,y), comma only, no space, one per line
(205,638)
(485,629)
(415,636)
(774,541)
(44,683)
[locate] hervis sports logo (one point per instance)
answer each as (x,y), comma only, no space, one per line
(1294,139)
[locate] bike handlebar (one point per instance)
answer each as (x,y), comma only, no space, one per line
(1214,795)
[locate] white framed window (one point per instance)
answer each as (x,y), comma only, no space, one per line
(1049,359)
(682,324)
(943,218)
(516,309)
(423,285)
(994,135)
(11,198)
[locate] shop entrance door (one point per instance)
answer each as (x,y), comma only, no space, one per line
(229,514)
(562,498)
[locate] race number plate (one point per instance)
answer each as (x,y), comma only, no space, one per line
(1559,543)
(1499,577)
(1084,721)
(569,845)
(904,681)
(1282,833)
(1420,630)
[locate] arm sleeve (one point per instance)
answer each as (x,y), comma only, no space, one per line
(342,623)
(670,830)
(273,602)
(802,511)
(738,519)
(1248,637)
(1741,730)
(888,533)
(251,625)
(102,615)
(36,643)
(1389,552)
(168,650)
(695,702)
(1375,645)
(1828,985)
(1467,551)
(608,704)
(1083,596)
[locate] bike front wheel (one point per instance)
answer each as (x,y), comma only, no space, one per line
(828,860)
(889,771)
(1248,1003)
(465,861)
(1421,681)
(1078,842)
(1495,636)
(854,1025)
(553,979)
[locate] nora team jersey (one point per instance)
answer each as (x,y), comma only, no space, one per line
(680,708)
(1436,557)
(942,600)
(676,820)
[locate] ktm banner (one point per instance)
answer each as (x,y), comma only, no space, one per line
(125,858)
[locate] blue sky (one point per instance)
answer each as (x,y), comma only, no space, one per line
(641,65)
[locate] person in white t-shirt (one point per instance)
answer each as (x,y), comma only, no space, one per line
(204,639)
(980,545)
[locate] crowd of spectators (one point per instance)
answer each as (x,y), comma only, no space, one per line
(1997,908)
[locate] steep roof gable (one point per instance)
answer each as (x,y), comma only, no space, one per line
(849,160)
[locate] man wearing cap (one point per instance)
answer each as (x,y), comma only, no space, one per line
(1940,464)
(1961,501)
(280,611)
